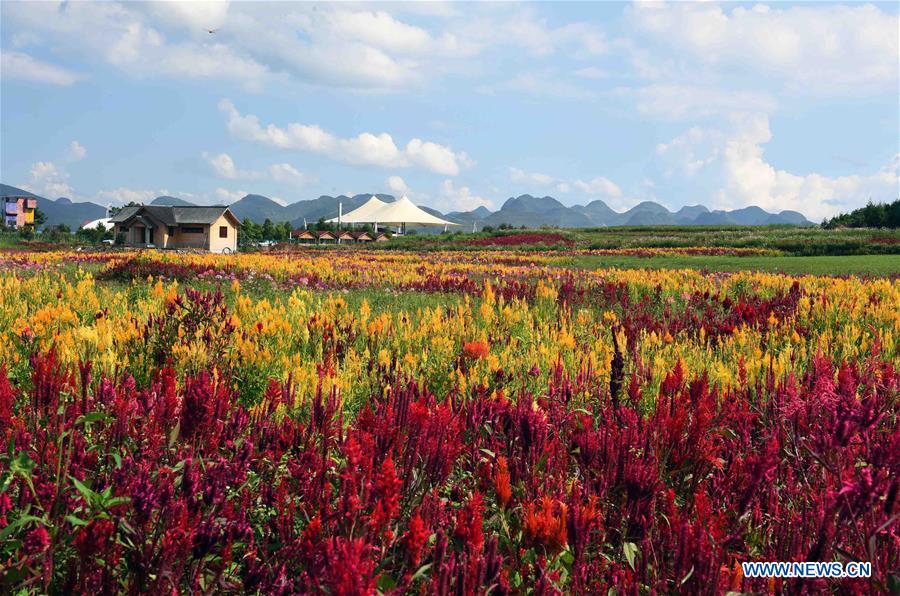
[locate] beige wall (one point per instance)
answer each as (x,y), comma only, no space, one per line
(181,239)
(217,244)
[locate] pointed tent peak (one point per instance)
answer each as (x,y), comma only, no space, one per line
(363,213)
(404,211)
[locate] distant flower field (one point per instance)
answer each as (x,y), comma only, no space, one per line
(482,421)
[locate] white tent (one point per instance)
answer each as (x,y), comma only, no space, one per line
(363,213)
(104,221)
(402,211)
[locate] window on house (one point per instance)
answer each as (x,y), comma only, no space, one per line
(191,230)
(223,231)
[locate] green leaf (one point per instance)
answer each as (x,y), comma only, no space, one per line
(89,495)
(75,521)
(420,572)
(488,452)
(687,577)
(173,436)
(8,530)
(630,549)
(92,417)
(386,582)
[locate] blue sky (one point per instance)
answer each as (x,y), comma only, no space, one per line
(457,105)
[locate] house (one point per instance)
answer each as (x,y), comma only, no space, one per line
(325,236)
(363,237)
(302,235)
(157,226)
(18,212)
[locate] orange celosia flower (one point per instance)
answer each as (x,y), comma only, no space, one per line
(545,523)
(501,482)
(475,349)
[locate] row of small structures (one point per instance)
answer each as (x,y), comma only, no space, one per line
(340,236)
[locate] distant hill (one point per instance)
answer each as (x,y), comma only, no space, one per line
(61,210)
(171,201)
(534,211)
(523,210)
(689,213)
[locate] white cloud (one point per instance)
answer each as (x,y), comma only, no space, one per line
(223,165)
(599,186)
(77,152)
(678,101)
(345,45)
(523,29)
(49,180)
(831,50)
(195,16)
(124,195)
(363,149)
(397,184)
(732,162)
(285,172)
(21,66)
(462,199)
(522,177)
(596,186)
(229,196)
(120,34)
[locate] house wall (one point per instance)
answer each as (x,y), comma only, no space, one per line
(217,244)
(18,212)
(182,239)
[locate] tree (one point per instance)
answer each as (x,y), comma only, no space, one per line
(268,230)
(40,218)
(94,235)
(873,215)
(57,234)
(249,232)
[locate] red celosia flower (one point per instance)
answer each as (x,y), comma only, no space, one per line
(501,482)
(5,505)
(387,493)
(415,538)
(468,524)
(475,349)
(36,541)
(545,523)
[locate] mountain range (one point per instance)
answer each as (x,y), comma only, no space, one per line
(524,210)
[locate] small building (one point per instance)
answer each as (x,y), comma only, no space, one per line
(18,212)
(345,236)
(156,226)
(303,235)
(325,236)
(381,237)
(363,237)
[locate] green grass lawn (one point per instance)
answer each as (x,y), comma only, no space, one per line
(875,265)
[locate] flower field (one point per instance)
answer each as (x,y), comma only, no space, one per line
(480,421)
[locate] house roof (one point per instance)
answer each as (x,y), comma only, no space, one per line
(172,216)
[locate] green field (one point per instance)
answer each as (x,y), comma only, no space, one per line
(789,240)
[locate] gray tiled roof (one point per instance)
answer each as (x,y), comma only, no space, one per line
(123,214)
(171,216)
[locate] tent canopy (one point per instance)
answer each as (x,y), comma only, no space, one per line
(362,214)
(401,211)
